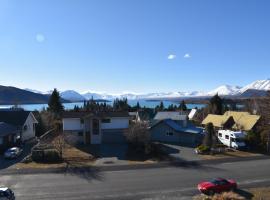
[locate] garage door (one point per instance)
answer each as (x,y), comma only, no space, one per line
(113,136)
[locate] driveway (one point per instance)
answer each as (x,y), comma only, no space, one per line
(181,152)
(110,154)
(7,163)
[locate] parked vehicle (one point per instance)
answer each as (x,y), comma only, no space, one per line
(216,186)
(13,152)
(6,194)
(233,139)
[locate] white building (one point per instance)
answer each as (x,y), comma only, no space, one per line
(24,121)
(96,128)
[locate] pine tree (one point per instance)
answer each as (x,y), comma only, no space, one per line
(216,105)
(183,106)
(55,104)
(161,106)
(210,135)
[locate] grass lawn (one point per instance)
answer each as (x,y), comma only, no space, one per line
(251,194)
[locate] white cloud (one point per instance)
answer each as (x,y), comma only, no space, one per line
(171,56)
(40,37)
(187,55)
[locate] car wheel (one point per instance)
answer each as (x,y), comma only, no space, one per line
(211,192)
(233,188)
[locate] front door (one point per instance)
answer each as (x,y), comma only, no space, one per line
(96,132)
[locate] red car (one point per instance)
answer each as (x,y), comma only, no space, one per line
(216,186)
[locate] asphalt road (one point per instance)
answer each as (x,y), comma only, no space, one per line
(176,182)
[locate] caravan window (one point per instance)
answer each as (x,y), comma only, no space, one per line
(233,139)
(226,137)
(219,134)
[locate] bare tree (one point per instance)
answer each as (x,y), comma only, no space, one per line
(138,133)
(59,144)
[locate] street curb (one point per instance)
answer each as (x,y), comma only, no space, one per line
(175,163)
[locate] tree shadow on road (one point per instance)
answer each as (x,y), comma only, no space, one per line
(88,173)
(182,163)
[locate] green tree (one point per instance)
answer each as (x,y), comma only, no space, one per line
(138,107)
(183,106)
(209,137)
(55,104)
(216,105)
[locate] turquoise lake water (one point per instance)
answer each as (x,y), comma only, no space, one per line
(149,104)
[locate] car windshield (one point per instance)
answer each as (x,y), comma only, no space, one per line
(12,151)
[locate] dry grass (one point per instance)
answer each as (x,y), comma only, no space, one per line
(229,154)
(34,165)
(251,194)
(260,193)
(223,196)
(71,156)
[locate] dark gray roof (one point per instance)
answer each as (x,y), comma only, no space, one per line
(6,129)
(177,127)
(16,118)
(84,114)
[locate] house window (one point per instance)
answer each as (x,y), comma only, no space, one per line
(220,135)
(95,126)
(226,137)
(169,133)
(25,127)
(107,120)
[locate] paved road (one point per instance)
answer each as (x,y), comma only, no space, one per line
(176,182)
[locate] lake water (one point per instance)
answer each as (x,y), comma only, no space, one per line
(68,106)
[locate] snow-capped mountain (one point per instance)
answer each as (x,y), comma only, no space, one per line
(257,85)
(71,95)
(254,88)
(225,90)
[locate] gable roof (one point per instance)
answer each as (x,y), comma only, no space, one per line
(177,127)
(174,115)
(6,129)
(16,118)
(246,122)
(242,120)
(216,120)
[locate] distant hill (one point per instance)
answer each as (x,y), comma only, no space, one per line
(253,93)
(12,95)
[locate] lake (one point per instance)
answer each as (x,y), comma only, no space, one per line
(68,106)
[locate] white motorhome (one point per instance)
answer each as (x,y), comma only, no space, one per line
(234,139)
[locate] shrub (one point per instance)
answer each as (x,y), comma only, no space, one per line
(51,156)
(202,149)
(46,155)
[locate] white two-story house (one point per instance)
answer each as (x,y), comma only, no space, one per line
(96,128)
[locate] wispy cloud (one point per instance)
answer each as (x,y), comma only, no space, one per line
(187,55)
(171,56)
(40,37)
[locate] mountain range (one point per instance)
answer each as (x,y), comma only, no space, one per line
(13,95)
(256,88)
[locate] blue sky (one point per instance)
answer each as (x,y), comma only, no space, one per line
(124,45)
